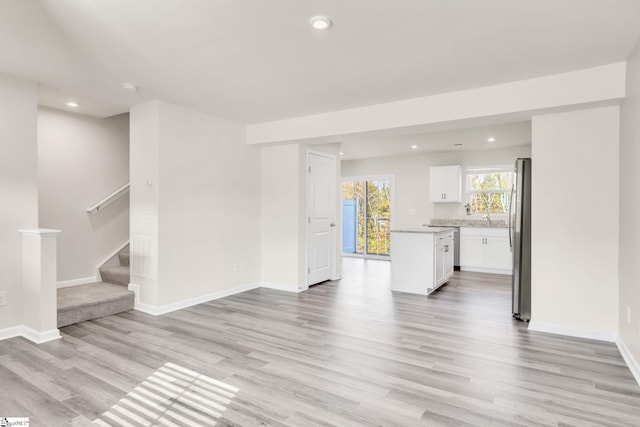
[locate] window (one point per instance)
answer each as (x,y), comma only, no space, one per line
(366,217)
(489,189)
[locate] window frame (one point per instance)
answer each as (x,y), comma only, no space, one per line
(473,170)
(365,179)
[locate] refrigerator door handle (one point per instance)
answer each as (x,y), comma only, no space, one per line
(510,214)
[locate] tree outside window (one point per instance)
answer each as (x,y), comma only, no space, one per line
(489,189)
(373,215)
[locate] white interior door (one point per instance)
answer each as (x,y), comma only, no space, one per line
(321,217)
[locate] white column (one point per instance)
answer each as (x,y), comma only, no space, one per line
(40,307)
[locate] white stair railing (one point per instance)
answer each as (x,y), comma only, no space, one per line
(109,199)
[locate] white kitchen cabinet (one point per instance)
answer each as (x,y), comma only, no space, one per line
(439,265)
(485,250)
(445,184)
(421,261)
(444,256)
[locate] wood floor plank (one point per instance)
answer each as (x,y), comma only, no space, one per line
(346,353)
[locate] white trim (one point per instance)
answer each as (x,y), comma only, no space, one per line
(489,168)
(75,282)
(164,309)
(381,176)
(368,256)
(30,334)
(40,337)
(284,287)
(41,231)
(632,363)
(136,293)
(12,332)
(485,270)
(572,331)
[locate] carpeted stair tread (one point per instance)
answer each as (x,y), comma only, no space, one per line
(118,275)
(123,256)
(85,302)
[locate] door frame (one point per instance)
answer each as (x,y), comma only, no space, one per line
(333,230)
(365,178)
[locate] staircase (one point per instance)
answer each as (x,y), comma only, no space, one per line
(85,302)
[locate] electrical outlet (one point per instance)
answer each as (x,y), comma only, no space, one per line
(236,266)
(628,314)
(3,298)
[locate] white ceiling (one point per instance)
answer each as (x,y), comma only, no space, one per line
(472,138)
(253,61)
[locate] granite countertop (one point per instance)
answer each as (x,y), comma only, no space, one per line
(423,230)
(477,223)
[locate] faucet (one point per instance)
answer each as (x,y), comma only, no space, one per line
(487,217)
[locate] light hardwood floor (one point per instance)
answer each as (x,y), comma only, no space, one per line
(348,353)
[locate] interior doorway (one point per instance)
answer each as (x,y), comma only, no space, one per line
(321,208)
(366,216)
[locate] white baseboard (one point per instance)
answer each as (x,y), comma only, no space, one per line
(136,292)
(30,334)
(572,331)
(284,287)
(14,331)
(631,362)
(76,282)
(485,270)
(164,309)
(40,337)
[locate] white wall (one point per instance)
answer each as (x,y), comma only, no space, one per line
(575,222)
(283,213)
(81,160)
(144,159)
(203,205)
(411,206)
(209,205)
(280,215)
(630,211)
(18,186)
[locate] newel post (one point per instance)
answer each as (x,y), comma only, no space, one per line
(39,293)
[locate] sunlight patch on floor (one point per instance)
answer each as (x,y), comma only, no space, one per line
(172,395)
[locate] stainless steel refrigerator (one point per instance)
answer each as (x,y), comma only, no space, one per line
(520,239)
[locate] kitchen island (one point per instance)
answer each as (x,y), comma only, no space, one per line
(422,259)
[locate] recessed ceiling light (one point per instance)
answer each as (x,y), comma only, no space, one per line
(491,139)
(129,87)
(414,147)
(320,22)
(342,153)
(72,104)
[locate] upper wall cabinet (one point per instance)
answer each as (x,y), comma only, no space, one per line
(445,184)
